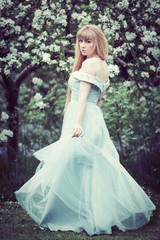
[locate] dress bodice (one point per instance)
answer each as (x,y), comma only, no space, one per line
(97,86)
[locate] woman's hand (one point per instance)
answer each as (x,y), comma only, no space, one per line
(77,131)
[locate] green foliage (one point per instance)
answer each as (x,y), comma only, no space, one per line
(133,123)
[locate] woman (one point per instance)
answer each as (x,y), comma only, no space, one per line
(80,183)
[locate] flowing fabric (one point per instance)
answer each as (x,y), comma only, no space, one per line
(80,183)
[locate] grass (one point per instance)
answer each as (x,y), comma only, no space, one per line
(15,224)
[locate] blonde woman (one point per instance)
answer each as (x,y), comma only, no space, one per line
(81,184)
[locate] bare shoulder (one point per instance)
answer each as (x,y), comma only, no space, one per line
(88,66)
(96,67)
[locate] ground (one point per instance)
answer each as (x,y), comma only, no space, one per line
(15,224)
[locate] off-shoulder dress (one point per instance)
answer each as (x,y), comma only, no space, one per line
(80,183)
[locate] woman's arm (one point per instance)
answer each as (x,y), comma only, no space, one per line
(88,67)
(82,101)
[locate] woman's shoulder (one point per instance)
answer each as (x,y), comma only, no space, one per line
(88,66)
(96,67)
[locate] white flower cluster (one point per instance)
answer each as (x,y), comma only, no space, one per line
(6,22)
(127,83)
(38,20)
(25,56)
(4,116)
(122,4)
(145,74)
(4,3)
(117,51)
(155,51)
(93,5)
(130,72)
(149,37)
(5,134)
(17,29)
(2,44)
(158,21)
(121,17)
(82,17)
(125,25)
(130,36)
(113,69)
(37,81)
(46,57)
(141,47)
(152,68)
(39,102)
(62,66)
(38,97)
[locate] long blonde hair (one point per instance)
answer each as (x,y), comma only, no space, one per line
(95,34)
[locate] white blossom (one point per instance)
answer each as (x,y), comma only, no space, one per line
(2,44)
(122,4)
(149,37)
(5,134)
(47,13)
(46,58)
(126,83)
(17,29)
(41,104)
(117,50)
(158,21)
(4,116)
(37,81)
(113,69)
(130,36)
(110,90)
(56,48)
(145,74)
(53,6)
(6,22)
(93,5)
(4,3)
(141,47)
(154,51)
(13,50)
(121,17)
(25,56)
(152,68)
(29,35)
(38,97)
(21,38)
(125,24)
(7,71)
(130,72)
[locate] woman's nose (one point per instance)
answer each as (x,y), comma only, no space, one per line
(83,44)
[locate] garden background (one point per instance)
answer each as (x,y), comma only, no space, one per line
(37,41)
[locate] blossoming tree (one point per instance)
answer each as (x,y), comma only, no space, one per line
(42,33)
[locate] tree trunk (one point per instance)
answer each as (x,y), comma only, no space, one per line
(12,109)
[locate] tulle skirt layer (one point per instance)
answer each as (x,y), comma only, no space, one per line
(80,183)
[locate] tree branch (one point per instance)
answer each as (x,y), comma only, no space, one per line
(25,73)
(136,80)
(121,62)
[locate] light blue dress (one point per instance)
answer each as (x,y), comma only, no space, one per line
(80,183)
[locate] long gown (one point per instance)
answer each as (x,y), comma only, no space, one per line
(80,183)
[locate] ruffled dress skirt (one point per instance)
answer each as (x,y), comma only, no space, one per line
(80,183)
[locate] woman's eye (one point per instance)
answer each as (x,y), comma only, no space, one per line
(80,40)
(88,41)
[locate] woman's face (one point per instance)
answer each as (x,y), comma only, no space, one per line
(86,47)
